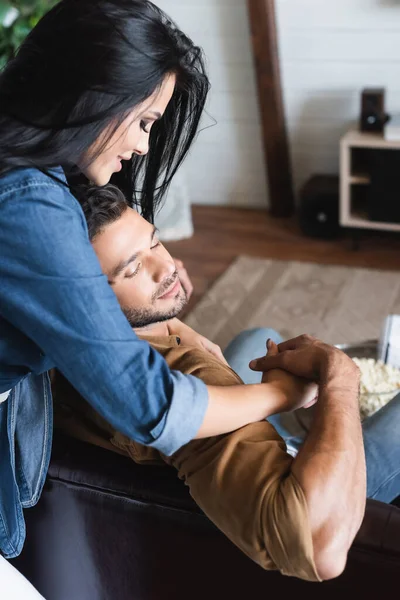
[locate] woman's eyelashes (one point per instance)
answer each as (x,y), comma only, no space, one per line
(145,126)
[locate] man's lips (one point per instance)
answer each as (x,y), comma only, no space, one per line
(172,291)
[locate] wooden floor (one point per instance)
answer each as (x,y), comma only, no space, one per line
(221,234)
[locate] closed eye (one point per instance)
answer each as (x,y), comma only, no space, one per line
(143,125)
(135,272)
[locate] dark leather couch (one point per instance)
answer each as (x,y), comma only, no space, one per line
(107,529)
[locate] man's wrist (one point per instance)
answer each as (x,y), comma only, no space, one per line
(340,373)
(335,363)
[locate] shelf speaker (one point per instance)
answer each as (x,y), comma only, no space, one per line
(319,207)
(373,116)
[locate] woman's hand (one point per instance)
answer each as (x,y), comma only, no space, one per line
(184,278)
(297,391)
(191,338)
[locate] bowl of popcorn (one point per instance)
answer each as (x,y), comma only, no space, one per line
(380,382)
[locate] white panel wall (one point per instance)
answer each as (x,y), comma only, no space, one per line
(226,164)
(330,50)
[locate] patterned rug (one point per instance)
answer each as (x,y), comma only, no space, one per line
(336,304)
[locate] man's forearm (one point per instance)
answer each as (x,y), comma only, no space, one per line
(330,468)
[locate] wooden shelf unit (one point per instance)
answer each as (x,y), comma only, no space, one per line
(354,179)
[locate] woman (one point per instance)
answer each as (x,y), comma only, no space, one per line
(95,86)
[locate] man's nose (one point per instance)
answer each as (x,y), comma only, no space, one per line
(162,269)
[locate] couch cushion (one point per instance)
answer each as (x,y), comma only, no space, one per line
(80,463)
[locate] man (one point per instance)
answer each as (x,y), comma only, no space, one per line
(296,515)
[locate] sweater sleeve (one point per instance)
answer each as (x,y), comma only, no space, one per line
(52,289)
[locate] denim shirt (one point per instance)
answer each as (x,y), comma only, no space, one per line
(57,310)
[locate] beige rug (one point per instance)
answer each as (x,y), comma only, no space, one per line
(336,304)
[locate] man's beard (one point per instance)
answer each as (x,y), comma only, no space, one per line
(143,317)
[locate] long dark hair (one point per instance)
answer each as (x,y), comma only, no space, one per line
(81,70)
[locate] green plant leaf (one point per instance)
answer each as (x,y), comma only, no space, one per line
(20,31)
(17,19)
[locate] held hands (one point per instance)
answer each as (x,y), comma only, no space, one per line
(297,392)
(310,358)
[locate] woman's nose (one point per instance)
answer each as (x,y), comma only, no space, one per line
(142,146)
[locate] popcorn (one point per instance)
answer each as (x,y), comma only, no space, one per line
(380,383)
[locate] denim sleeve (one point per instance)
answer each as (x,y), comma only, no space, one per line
(53,290)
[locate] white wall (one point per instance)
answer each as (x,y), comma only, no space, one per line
(330,50)
(226,164)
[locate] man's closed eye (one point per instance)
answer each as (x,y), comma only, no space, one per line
(130,275)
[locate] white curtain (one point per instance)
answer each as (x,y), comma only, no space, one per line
(174,220)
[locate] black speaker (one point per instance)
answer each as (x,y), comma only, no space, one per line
(319,207)
(373,116)
(383,202)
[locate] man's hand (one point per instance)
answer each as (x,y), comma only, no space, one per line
(184,278)
(310,358)
(191,338)
(298,392)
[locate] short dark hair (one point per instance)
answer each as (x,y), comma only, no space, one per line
(84,67)
(101,206)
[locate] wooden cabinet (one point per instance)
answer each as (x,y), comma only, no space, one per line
(355,177)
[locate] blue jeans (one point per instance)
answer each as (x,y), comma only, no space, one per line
(380,431)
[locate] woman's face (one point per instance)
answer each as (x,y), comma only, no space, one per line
(131,137)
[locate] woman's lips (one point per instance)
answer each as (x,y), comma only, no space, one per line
(172,292)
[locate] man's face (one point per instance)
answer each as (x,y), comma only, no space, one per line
(140,270)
